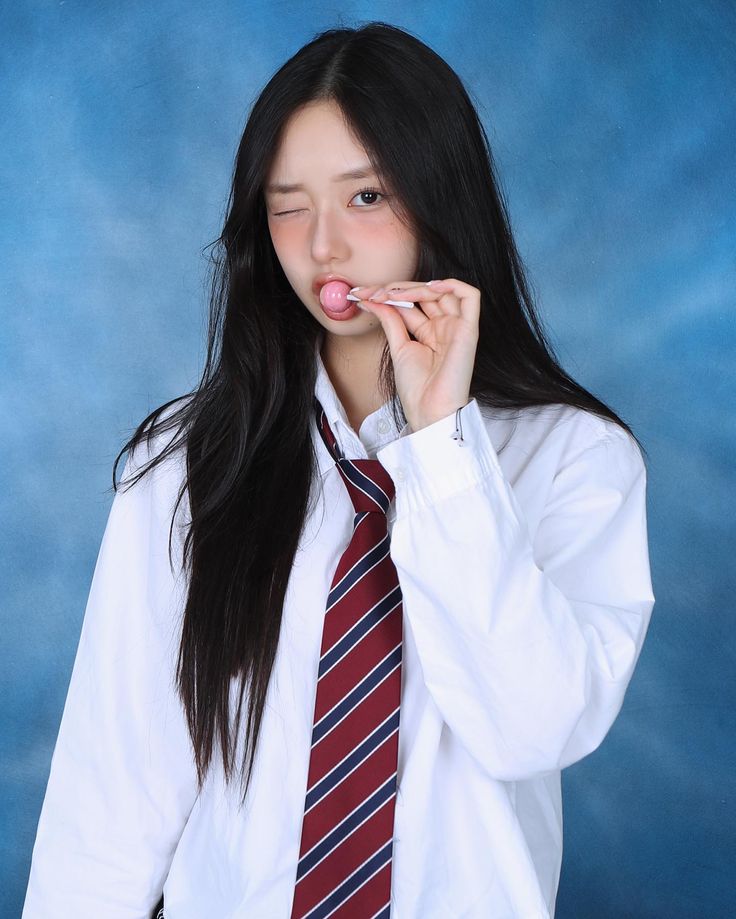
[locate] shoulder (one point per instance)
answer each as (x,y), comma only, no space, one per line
(157,438)
(155,467)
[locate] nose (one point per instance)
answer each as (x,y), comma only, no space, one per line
(328,238)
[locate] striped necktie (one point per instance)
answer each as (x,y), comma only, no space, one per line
(344,868)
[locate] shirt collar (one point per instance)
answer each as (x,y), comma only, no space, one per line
(337,417)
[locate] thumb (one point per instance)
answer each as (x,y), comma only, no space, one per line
(393,326)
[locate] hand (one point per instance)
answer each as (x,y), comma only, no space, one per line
(433,373)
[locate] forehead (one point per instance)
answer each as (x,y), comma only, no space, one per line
(317,143)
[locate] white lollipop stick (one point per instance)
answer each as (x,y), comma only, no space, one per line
(405,303)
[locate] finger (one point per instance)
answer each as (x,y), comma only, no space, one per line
(396,287)
(413,319)
(416,322)
(434,303)
(467,295)
(392,322)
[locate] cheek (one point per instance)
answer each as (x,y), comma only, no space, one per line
(403,249)
(388,236)
(284,237)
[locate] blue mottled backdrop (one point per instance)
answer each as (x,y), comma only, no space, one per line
(613,125)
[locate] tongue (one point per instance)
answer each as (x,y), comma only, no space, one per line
(333,296)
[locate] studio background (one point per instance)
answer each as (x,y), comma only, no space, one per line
(612,125)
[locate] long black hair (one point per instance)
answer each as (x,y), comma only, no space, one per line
(246,428)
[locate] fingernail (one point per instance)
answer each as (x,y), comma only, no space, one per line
(353,289)
(377,295)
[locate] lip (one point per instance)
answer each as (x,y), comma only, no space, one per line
(321,279)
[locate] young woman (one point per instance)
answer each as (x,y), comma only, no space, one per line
(243,731)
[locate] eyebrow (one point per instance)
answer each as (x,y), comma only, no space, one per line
(362,172)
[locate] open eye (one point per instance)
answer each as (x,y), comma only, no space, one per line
(370,191)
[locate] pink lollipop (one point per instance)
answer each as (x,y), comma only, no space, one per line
(333,296)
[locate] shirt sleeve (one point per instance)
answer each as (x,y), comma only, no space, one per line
(527,643)
(122,779)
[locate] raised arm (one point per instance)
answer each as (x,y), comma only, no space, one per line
(527,641)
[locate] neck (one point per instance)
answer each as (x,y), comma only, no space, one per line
(352,364)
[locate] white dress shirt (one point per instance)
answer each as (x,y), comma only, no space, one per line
(523,563)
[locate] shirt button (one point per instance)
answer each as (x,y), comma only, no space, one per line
(400,475)
(382,427)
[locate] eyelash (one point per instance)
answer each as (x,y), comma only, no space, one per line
(363,191)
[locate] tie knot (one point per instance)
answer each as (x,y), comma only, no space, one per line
(369,485)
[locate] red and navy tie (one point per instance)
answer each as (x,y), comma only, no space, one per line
(344,868)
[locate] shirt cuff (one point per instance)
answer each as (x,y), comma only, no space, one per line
(428,465)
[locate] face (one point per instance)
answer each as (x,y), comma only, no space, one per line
(332,224)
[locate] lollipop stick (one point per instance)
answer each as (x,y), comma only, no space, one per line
(405,303)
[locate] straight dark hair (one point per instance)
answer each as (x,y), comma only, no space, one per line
(246,428)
